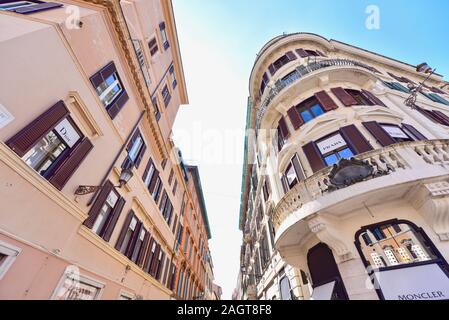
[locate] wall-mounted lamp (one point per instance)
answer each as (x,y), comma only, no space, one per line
(124,178)
(421,68)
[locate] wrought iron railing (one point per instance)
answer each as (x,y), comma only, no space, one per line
(299,73)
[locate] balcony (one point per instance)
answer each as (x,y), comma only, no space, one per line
(299,73)
(397,168)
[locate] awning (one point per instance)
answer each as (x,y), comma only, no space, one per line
(323,292)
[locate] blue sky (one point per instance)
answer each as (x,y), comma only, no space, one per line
(219,41)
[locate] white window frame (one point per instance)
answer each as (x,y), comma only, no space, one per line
(83,279)
(11,252)
(126,294)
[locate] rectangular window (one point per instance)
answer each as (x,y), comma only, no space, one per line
(130,231)
(166,96)
(310,109)
(396,86)
(105,214)
(26,7)
(52,148)
(52,145)
(170,177)
(138,247)
(136,149)
(142,62)
(74,286)
(396,133)
(157,190)
(175,186)
(152,45)
(110,89)
(173,76)
(334,148)
(164,35)
(149,173)
(157,112)
(8,254)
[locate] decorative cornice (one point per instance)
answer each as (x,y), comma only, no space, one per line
(119,26)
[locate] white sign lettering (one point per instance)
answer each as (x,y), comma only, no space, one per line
(427,282)
(395,132)
(5,116)
(333,143)
(67,133)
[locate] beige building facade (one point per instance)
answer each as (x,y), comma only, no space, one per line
(345,186)
(92,190)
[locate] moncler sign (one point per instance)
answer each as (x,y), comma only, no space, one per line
(426,282)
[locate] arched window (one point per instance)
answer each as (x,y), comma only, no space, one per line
(285,289)
(394,243)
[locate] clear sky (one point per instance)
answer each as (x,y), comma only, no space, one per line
(219,41)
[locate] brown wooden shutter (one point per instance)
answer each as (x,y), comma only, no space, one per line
(344,97)
(134,239)
(444,119)
(114,218)
(155,262)
(298,168)
(141,154)
(321,53)
(98,204)
(429,114)
(302,53)
(418,135)
(131,142)
(143,249)
(37,129)
(119,103)
(272,69)
(125,227)
(314,156)
(147,169)
(326,101)
(153,181)
(371,97)
(355,139)
(291,56)
(379,133)
(295,118)
(160,267)
(66,170)
(284,129)
(437,90)
(100,77)
(149,258)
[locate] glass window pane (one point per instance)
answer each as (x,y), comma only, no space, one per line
(306,115)
(317,110)
(101,219)
(331,159)
(45,153)
(345,153)
(134,152)
(395,244)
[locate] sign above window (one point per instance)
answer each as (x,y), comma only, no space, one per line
(333,143)
(67,132)
(395,132)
